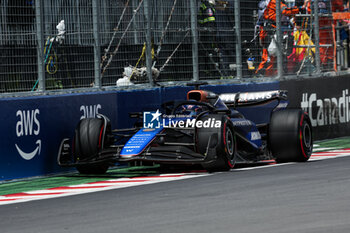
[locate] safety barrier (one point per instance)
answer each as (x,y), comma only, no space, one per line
(326,99)
(101,43)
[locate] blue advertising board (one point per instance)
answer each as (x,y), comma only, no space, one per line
(32,128)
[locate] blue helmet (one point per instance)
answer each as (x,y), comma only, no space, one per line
(191,110)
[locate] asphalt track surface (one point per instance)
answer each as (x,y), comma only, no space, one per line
(312,197)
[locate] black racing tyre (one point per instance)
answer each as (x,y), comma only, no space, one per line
(290,136)
(224,140)
(87,143)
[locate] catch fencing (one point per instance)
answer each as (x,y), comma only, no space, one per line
(144,42)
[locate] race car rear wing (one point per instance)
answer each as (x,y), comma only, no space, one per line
(252,98)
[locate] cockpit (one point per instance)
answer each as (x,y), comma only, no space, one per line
(207,97)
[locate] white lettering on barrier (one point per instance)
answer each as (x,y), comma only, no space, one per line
(90,111)
(327,111)
(28,125)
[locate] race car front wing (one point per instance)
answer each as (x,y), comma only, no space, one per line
(177,154)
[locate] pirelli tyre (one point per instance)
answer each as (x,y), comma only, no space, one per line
(221,139)
(290,136)
(87,143)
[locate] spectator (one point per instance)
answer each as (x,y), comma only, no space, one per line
(337,5)
(326,33)
(296,61)
(225,34)
(267,31)
(345,34)
(209,57)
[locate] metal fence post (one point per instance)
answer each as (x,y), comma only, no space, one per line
(147,11)
(97,42)
(40,47)
(238,38)
(317,38)
(194,33)
(279,39)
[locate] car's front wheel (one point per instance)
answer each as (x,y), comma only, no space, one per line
(221,138)
(87,143)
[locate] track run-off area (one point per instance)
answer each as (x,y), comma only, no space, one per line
(73,184)
(289,197)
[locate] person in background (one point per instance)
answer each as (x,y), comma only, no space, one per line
(337,5)
(345,34)
(207,37)
(326,33)
(267,31)
(225,34)
(207,23)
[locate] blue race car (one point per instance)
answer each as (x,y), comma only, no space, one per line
(213,130)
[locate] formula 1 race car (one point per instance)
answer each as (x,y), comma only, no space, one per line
(212,130)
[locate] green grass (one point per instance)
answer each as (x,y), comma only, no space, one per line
(72,179)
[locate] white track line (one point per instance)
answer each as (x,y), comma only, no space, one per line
(89,188)
(136,181)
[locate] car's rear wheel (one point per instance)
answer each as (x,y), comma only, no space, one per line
(87,143)
(222,139)
(290,136)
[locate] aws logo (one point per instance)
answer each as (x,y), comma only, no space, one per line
(28,125)
(90,111)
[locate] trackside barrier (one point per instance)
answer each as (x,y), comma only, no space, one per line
(32,127)
(326,99)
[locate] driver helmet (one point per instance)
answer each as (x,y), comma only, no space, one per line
(192,110)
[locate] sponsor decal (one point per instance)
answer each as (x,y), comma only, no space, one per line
(241,123)
(139,142)
(148,130)
(28,125)
(248,96)
(255,136)
(90,111)
(154,120)
(327,111)
(282,104)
